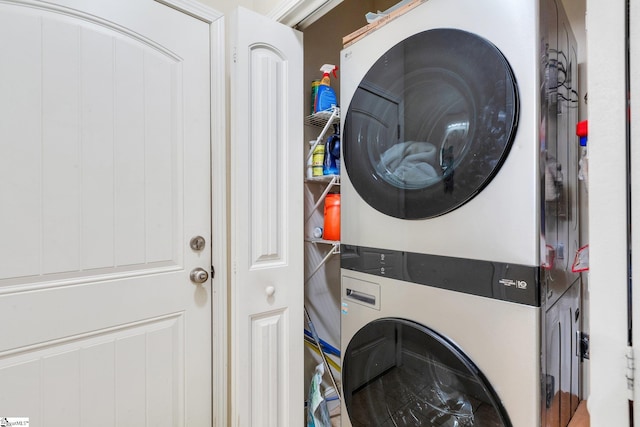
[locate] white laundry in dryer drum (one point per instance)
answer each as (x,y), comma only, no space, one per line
(459,218)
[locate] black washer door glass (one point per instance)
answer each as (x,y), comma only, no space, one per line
(399,373)
(430,124)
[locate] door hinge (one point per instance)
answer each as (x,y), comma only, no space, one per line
(630,371)
(582,345)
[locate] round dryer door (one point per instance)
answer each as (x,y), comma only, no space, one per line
(430,124)
(399,373)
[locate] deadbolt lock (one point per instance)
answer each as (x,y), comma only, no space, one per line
(197,243)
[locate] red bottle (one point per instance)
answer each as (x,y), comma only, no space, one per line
(332,217)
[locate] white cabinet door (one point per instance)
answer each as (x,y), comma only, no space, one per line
(266,214)
(104,179)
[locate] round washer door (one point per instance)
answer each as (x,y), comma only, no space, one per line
(399,373)
(430,124)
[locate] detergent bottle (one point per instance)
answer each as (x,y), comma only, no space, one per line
(332,153)
(325,95)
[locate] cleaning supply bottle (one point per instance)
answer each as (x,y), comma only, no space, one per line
(325,95)
(310,159)
(314,95)
(582,130)
(331,227)
(332,153)
(317,160)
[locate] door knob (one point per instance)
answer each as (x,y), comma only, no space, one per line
(199,275)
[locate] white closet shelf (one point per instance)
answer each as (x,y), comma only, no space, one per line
(323,118)
(325,242)
(324,179)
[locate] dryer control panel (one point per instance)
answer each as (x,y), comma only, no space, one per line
(508,282)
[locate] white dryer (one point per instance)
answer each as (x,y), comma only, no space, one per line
(447,132)
(459,217)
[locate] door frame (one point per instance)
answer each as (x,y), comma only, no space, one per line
(300,13)
(219,189)
(608,245)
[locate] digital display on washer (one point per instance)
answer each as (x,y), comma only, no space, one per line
(430,124)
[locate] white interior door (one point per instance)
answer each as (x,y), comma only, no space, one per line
(104,179)
(266,223)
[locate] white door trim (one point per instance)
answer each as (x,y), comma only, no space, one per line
(608,403)
(219,237)
(634,63)
(301,13)
(195,9)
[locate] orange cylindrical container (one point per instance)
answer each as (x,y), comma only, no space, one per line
(332,217)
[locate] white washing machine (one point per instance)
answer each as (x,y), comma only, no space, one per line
(459,217)
(416,353)
(424,356)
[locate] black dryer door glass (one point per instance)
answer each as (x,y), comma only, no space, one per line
(430,124)
(399,373)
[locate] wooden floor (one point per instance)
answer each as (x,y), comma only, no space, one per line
(581,417)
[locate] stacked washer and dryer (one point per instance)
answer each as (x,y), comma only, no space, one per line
(460,218)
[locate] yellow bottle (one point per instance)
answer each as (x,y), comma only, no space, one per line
(317,160)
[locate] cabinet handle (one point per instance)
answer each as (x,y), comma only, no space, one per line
(361,296)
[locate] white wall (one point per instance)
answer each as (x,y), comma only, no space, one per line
(635,160)
(607,212)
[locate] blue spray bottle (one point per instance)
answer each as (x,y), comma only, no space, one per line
(332,153)
(326,96)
